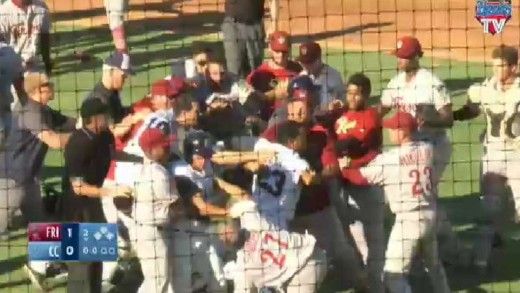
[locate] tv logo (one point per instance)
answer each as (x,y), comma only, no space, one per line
(493,15)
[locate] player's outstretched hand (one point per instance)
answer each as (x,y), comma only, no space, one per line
(308,176)
(241,207)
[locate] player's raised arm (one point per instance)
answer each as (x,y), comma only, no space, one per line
(471,109)
(236,157)
(231,189)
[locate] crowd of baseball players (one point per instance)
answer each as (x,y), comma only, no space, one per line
(269,182)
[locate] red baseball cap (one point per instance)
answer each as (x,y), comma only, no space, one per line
(401,120)
(280,42)
(169,87)
(309,53)
(154,137)
(408,47)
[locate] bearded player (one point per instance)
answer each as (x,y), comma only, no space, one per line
(421,93)
(498,98)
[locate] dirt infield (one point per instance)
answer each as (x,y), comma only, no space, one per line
(446,28)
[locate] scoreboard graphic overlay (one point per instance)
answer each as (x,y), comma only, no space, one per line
(72,242)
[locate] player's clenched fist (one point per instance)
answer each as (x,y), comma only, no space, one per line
(123,191)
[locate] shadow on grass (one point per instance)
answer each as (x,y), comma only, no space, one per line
(12,264)
(9,285)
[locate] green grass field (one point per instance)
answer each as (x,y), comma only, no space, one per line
(153,51)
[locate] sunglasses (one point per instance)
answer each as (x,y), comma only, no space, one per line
(202,63)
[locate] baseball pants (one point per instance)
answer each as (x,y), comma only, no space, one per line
(366,207)
(116,12)
(409,231)
(308,279)
(114,216)
(154,248)
(326,227)
(194,254)
(499,176)
(448,240)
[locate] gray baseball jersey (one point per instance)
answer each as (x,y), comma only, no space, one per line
(21,28)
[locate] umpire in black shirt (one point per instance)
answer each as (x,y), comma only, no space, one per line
(244,34)
(87,159)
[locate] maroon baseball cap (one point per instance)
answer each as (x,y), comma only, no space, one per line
(408,47)
(401,120)
(169,87)
(280,41)
(154,137)
(309,53)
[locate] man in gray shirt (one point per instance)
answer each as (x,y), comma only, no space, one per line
(34,130)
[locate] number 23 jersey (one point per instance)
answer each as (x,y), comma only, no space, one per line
(271,258)
(406,174)
(276,188)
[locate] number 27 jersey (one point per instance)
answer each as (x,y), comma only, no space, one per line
(276,189)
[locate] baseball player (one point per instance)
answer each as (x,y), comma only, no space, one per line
(406,172)
(116,12)
(359,136)
(498,98)
(157,204)
(25,25)
(197,263)
(276,188)
(419,92)
(157,112)
(272,259)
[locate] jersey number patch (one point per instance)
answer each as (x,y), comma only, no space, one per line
(273,182)
(417,175)
(268,254)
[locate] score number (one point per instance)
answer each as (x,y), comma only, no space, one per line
(420,177)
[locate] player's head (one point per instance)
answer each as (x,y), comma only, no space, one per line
(116,68)
(505,63)
(401,127)
(408,53)
(280,47)
(200,53)
(292,135)
(94,114)
(303,96)
(358,91)
(198,149)
(186,110)
(38,87)
(310,56)
(215,71)
(230,232)
(165,92)
(156,144)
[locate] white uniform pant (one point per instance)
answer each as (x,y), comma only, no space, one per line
(409,231)
(500,175)
(309,278)
(154,249)
(196,263)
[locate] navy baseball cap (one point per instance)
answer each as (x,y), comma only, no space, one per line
(120,61)
(303,83)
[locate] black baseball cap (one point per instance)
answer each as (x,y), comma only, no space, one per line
(120,61)
(93,107)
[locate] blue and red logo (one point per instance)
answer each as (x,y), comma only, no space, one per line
(493,15)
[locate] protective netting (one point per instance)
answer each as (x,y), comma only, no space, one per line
(247,151)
